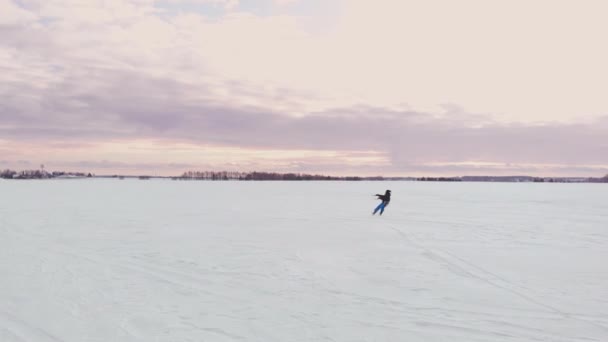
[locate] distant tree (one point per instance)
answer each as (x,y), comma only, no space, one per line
(7,173)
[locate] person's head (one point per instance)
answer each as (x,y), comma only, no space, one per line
(388,192)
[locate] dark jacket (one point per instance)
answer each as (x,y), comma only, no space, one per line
(386,197)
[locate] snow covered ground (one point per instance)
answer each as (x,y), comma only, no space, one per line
(110,260)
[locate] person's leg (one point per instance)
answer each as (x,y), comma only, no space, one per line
(379,207)
(383,206)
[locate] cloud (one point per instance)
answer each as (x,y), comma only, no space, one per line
(284,2)
(137,106)
(226,4)
(12,15)
(385,53)
(113,165)
(125,70)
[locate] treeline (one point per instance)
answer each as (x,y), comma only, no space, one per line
(40,174)
(599,180)
(517,179)
(270,176)
(245,176)
(439,179)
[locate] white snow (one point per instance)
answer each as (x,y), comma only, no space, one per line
(129,260)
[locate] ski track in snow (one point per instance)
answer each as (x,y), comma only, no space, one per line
(466,268)
(201,261)
(15,329)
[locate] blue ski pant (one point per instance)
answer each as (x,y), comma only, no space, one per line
(380,207)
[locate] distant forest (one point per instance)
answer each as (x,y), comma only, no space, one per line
(263,176)
(228,175)
(40,174)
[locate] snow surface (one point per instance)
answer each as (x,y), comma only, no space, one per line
(160,260)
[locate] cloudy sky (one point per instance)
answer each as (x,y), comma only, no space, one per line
(344,87)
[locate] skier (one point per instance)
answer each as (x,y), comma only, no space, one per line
(386,198)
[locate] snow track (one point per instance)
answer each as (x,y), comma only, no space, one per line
(464,268)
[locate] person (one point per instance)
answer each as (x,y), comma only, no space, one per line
(386,198)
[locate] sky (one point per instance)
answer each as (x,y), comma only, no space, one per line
(340,87)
